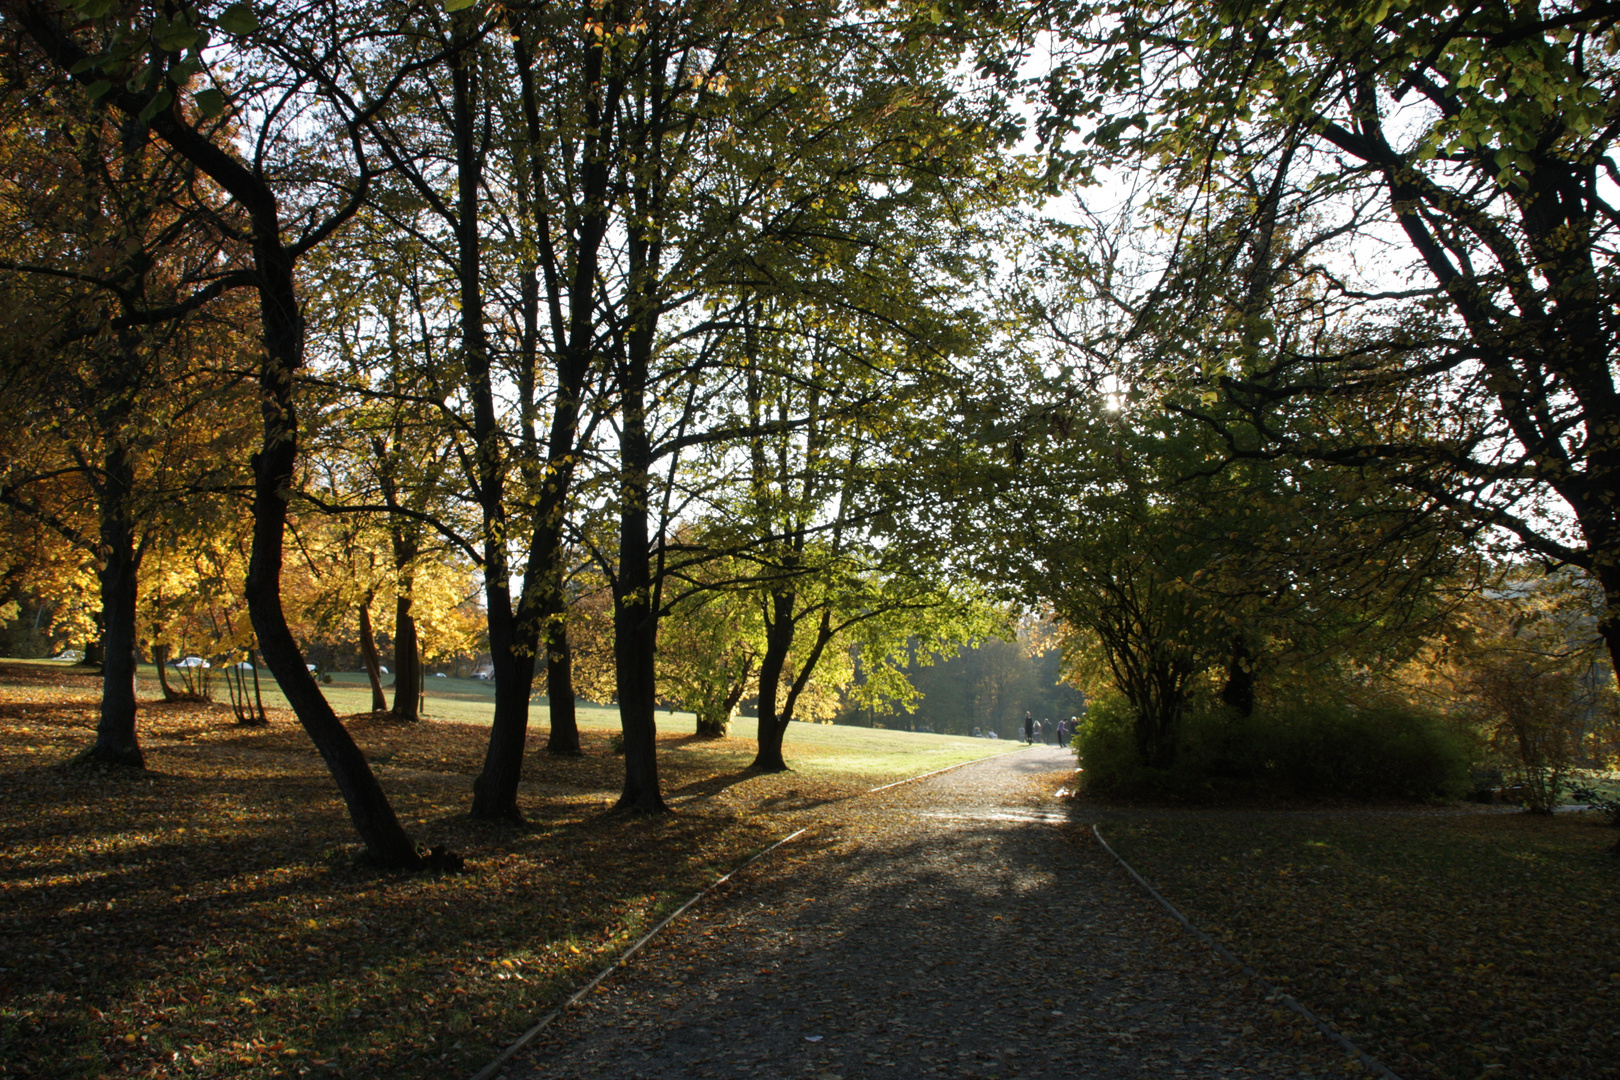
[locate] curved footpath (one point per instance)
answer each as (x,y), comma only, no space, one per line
(958,926)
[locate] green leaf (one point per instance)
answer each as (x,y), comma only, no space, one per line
(238,19)
(210,102)
(160,101)
(99,88)
(458,5)
(174,36)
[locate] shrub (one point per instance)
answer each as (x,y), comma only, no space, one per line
(1295,751)
(1534,712)
(21,640)
(1605,804)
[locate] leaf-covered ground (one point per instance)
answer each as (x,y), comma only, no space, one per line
(207,917)
(1450,944)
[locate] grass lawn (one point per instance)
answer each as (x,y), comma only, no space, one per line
(1450,944)
(207,917)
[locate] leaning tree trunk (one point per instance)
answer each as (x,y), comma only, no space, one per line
(714,718)
(385,839)
(368,650)
(160,660)
(283,354)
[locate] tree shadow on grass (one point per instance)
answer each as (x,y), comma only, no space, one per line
(800,800)
(714,785)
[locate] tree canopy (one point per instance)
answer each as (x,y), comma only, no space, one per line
(694,352)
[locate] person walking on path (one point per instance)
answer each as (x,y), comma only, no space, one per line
(1029,726)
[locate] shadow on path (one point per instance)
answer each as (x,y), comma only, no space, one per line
(954,927)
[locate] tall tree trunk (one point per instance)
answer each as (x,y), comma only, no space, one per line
(116,742)
(635,640)
(564,737)
(368,649)
(574,340)
(1238,693)
(635,622)
(407,660)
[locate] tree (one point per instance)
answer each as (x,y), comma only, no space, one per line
(709,648)
(136,59)
(1170,568)
(1472,362)
(113,367)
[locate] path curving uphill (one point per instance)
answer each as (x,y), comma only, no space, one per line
(959,926)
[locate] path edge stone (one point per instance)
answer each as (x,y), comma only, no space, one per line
(489,1071)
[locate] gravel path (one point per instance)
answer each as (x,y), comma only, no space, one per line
(959,926)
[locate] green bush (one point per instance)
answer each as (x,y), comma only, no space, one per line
(20,640)
(1284,751)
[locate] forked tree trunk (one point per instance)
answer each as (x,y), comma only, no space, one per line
(778,643)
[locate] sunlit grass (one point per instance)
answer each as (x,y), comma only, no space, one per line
(817,749)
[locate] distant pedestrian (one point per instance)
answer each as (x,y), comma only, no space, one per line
(1037,736)
(1029,727)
